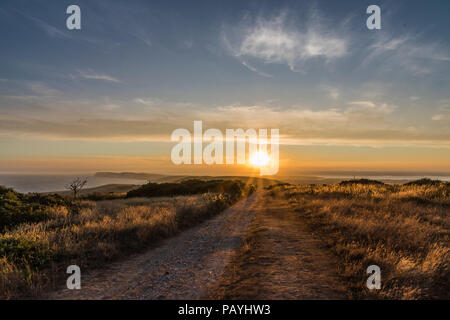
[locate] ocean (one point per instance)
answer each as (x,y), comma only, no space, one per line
(47,183)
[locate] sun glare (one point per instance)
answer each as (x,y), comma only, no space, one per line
(259,159)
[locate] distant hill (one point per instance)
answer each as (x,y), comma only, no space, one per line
(130,175)
(160,178)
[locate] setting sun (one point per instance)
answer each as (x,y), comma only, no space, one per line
(259,159)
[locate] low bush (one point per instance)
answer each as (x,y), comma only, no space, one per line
(189,187)
(361,181)
(424,182)
(17,208)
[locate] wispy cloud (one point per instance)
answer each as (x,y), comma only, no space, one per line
(187,44)
(415,55)
(363,103)
(251,68)
(365,124)
(42,89)
(367,111)
(260,116)
(146,101)
(444,111)
(440,117)
(144,37)
(333,92)
(277,40)
(52,31)
(91,75)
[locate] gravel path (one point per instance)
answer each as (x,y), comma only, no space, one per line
(183,267)
(282,260)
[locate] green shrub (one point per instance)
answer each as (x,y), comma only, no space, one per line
(361,181)
(24,251)
(424,182)
(97,196)
(17,208)
(235,188)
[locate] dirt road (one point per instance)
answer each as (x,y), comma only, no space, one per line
(251,250)
(280,259)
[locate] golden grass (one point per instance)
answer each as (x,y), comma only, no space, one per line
(403,229)
(35,256)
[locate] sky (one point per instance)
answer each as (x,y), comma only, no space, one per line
(108,96)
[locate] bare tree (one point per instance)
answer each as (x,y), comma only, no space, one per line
(76,185)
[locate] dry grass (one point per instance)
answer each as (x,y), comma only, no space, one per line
(403,229)
(34,256)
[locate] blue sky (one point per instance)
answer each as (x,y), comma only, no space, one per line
(137,70)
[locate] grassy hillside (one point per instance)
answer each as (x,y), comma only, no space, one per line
(34,252)
(404,229)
